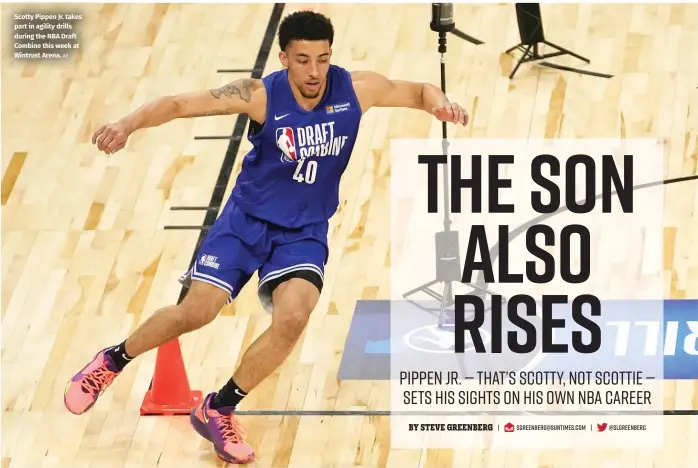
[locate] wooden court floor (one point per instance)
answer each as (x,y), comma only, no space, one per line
(86,256)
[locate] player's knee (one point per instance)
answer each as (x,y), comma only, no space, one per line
(194,316)
(292,309)
(291,314)
(289,322)
(201,305)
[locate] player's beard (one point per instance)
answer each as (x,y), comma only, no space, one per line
(310,94)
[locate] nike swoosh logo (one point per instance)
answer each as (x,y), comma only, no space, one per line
(279,117)
(239,393)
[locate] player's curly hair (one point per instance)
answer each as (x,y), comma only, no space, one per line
(305,26)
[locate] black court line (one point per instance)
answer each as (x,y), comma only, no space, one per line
(184,227)
(461,413)
(232,138)
(234,145)
(236,70)
(194,208)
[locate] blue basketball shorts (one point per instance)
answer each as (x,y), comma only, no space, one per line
(238,245)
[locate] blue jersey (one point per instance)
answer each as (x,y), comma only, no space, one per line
(291,176)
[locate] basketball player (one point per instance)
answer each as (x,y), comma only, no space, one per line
(304,122)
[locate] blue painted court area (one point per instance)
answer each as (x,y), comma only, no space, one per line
(658,338)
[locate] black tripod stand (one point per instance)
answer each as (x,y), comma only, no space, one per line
(530,23)
(447,243)
(531,54)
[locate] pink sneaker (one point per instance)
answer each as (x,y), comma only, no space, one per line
(221,427)
(86,386)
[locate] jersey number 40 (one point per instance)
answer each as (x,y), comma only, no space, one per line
(305,172)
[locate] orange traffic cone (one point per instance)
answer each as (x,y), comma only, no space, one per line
(169,392)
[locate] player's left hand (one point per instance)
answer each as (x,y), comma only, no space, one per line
(451,112)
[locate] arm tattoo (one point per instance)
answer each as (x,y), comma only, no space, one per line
(242,88)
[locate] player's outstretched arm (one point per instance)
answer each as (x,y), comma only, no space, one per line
(243,96)
(375,90)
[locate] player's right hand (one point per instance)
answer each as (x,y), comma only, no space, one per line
(111,138)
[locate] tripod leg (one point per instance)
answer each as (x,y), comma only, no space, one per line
(446,300)
(576,70)
(566,51)
(466,37)
(420,288)
(521,60)
(511,49)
